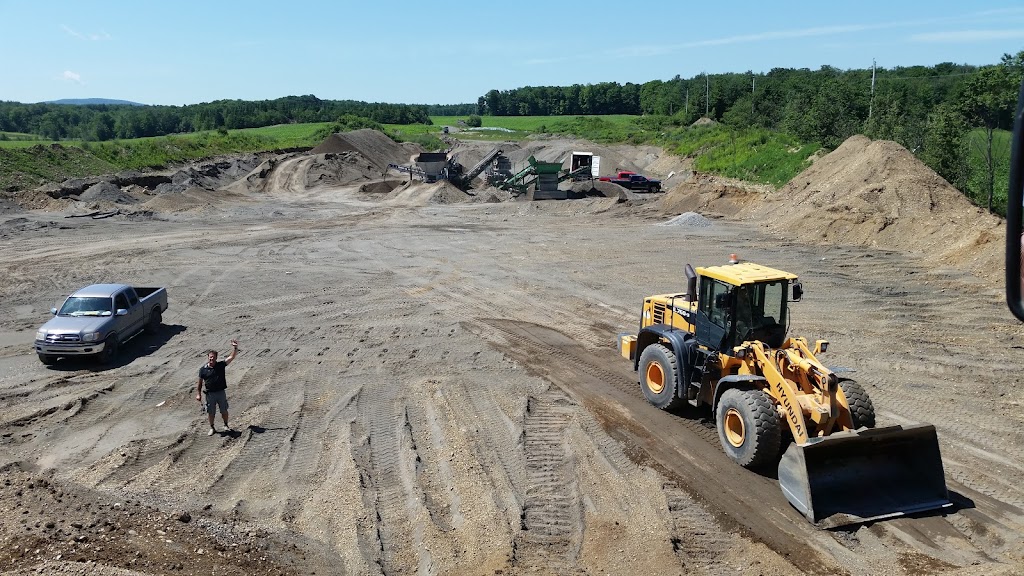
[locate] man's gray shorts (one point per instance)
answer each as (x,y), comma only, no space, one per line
(215,399)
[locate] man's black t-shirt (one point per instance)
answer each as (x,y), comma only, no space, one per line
(214,378)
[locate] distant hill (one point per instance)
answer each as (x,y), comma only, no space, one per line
(85,101)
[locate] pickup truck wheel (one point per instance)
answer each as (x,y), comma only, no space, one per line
(155,319)
(110,347)
(48,359)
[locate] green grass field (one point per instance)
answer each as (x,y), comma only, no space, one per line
(13,144)
(290,135)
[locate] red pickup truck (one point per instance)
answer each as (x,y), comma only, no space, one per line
(634,181)
(625,174)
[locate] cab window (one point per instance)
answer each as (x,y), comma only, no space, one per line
(709,294)
(121,302)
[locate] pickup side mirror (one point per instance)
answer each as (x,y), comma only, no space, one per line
(53,311)
(1014,200)
(798,291)
(121,312)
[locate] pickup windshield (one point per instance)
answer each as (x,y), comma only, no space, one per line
(85,306)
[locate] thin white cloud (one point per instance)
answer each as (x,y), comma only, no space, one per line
(817,31)
(70,76)
(1001,12)
(102,35)
(967,36)
(658,50)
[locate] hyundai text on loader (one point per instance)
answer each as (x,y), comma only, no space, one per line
(723,344)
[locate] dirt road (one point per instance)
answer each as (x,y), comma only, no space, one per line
(433,389)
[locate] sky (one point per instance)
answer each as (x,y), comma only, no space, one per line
(187,52)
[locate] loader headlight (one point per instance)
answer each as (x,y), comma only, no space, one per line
(820,346)
(41,335)
(90,336)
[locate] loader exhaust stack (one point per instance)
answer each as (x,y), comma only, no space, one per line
(870,474)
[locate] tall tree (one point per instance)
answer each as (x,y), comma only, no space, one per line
(988,99)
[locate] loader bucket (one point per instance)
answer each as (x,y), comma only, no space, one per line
(857,476)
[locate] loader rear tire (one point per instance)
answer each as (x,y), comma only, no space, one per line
(659,376)
(748,427)
(861,408)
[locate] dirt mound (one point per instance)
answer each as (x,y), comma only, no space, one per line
(107,192)
(374,146)
(704,121)
(599,188)
(877,193)
(210,175)
(339,169)
(420,194)
(712,195)
(189,200)
(383,187)
(447,193)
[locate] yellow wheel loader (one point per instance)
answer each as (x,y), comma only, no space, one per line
(723,344)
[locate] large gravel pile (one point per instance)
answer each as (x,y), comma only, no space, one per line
(374,146)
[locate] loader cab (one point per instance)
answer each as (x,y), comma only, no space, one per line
(742,302)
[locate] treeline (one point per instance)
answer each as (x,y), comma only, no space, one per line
(108,122)
(934,111)
(451,109)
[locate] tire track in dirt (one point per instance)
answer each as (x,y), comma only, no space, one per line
(924,535)
(528,343)
(382,411)
(697,538)
(552,515)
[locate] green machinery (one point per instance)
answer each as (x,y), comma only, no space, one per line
(545,175)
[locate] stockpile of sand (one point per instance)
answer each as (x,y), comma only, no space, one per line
(713,195)
(108,192)
(339,169)
(599,188)
(210,174)
(190,200)
(374,146)
(382,187)
(447,193)
(422,193)
(879,194)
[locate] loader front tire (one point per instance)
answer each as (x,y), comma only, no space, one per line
(861,408)
(658,376)
(748,427)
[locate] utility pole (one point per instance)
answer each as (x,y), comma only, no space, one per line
(753,83)
(871,103)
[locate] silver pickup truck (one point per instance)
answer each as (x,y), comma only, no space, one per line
(97,319)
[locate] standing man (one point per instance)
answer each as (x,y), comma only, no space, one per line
(212,375)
